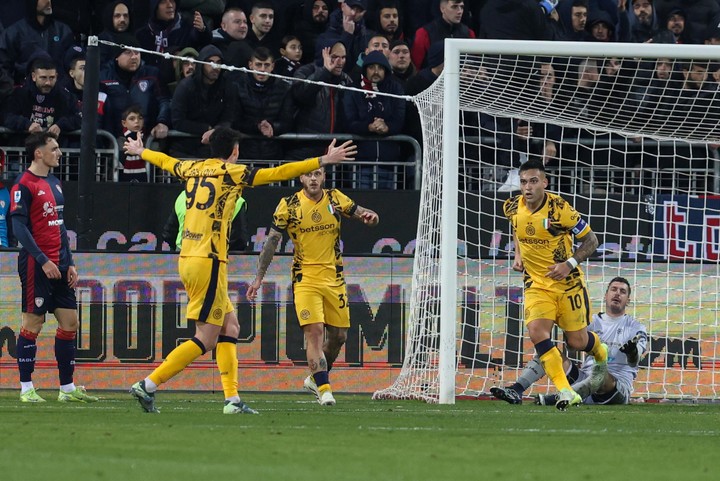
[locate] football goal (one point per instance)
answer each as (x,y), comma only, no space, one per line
(627,133)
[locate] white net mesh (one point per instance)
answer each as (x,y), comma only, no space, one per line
(628,141)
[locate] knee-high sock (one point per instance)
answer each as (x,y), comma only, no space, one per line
(26,354)
(594,347)
(551,361)
(227,362)
(65,355)
(178,359)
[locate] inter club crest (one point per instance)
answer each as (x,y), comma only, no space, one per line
(316,216)
(143,85)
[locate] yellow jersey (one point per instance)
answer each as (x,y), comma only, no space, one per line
(545,238)
(314,228)
(212,188)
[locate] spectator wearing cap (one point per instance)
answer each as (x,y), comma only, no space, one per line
(313,22)
(375,43)
(201,103)
(601,27)
(116,19)
(166,28)
(448,25)
(320,106)
(699,15)
(37,33)
(41,104)
(370,114)
(347,25)
(126,80)
(265,108)
(182,68)
(400,62)
(388,21)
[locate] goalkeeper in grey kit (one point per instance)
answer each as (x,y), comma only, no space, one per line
(627,342)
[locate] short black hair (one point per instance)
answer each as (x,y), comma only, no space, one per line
(44,63)
(533,164)
(36,140)
(132,109)
(222,142)
(262,54)
(287,39)
(622,280)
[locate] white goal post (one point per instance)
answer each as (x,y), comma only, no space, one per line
(634,153)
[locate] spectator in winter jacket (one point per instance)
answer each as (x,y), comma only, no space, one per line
(116,19)
(125,81)
(314,21)
(202,102)
(448,25)
(38,33)
(379,116)
(320,107)
(347,25)
(40,104)
(264,108)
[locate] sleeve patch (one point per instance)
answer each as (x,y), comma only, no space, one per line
(579,227)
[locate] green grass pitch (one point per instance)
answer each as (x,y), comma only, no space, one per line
(358,439)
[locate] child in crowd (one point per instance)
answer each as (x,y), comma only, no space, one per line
(134,168)
(291,51)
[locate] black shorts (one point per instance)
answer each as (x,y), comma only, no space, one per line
(41,295)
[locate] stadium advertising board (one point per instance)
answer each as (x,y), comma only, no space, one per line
(687,228)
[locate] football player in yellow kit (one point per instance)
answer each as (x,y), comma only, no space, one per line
(543,225)
(311,218)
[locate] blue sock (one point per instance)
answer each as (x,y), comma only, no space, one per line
(65,356)
(26,353)
(321,378)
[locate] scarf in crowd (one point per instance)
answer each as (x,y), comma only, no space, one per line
(366,84)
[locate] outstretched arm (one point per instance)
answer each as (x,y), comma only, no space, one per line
(266,257)
(367,216)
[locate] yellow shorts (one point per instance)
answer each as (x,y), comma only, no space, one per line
(570,310)
(206,284)
(316,303)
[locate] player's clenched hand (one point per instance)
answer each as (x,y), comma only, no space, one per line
(134,146)
(253,290)
(336,154)
(51,270)
(370,217)
(559,271)
(72,277)
(518,264)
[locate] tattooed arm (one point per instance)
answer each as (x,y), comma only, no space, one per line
(266,257)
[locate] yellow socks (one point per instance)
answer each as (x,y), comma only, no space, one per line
(227,362)
(597,351)
(178,359)
(552,363)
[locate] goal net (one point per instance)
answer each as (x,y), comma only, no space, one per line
(627,132)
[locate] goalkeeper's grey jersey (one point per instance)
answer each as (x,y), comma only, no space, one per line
(615,332)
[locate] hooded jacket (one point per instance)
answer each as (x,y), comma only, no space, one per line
(160,36)
(109,32)
(198,107)
(362,108)
(26,38)
(307,30)
(27,105)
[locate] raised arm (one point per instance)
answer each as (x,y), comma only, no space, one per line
(264,260)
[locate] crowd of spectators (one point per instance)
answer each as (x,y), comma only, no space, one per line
(390,46)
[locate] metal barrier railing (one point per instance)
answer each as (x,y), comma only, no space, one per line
(107,158)
(404,174)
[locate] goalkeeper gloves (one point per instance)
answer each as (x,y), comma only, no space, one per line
(548,5)
(630,349)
